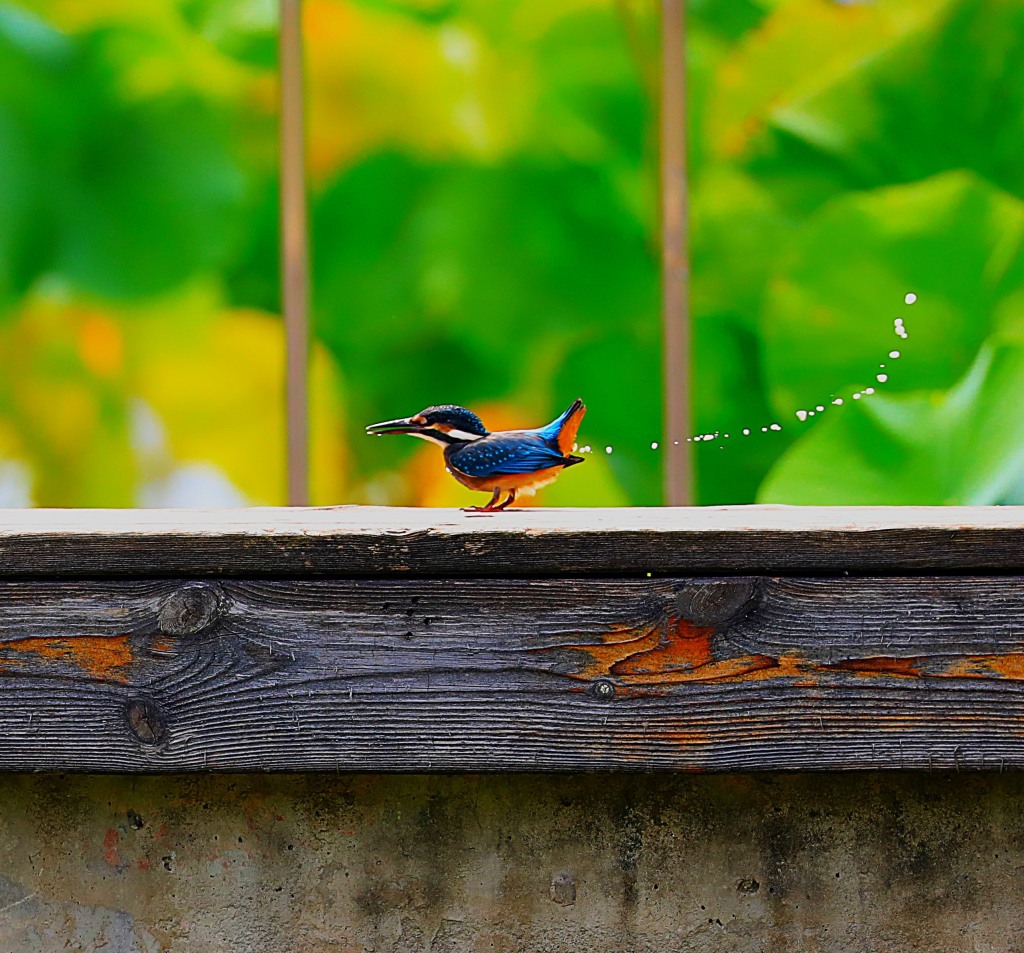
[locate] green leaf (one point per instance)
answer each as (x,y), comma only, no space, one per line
(945,94)
(152,198)
(954,241)
(243,29)
(796,52)
(961,447)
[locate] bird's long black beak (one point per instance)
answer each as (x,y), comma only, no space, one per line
(402,425)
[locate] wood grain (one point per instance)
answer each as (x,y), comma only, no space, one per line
(727,674)
(367,541)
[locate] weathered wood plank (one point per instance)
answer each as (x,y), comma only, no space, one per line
(362,541)
(734,674)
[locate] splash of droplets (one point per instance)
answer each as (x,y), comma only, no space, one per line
(802,415)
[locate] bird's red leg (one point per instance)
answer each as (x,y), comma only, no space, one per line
(511,499)
(484,509)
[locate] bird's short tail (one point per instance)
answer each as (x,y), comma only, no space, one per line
(568,425)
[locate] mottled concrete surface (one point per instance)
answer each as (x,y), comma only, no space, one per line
(513,863)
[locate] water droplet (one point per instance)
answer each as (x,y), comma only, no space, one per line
(764,430)
(607,449)
(881,378)
(654,446)
(819,408)
(746,433)
(869,390)
(776,427)
(894,354)
(810,413)
(856,396)
(801,414)
(910,298)
(838,402)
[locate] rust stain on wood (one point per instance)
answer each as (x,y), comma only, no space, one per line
(162,645)
(655,649)
(1009,666)
(101,656)
(678,646)
(673,650)
(684,737)
(879,665)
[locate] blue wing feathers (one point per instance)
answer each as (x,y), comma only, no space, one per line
(523,452)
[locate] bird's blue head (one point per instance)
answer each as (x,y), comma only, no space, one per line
(445,424)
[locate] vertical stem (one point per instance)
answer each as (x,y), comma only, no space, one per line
(675,265)
(294,251)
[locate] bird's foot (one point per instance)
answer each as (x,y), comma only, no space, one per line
(478,509)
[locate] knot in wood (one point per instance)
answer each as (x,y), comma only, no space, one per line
(714,601)
(190,609)
(146,721)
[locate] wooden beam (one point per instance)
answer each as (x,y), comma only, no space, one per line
(360,541)
(735,674)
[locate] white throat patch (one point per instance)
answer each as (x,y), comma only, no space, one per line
(430,437)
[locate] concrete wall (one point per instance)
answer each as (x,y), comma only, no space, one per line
(511,863)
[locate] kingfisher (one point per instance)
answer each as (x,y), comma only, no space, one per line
(512,462)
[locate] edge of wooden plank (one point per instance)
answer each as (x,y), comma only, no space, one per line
(364,540)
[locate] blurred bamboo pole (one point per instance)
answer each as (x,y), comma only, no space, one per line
(294,251)
(675,263)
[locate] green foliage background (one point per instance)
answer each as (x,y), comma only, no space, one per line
(484,224)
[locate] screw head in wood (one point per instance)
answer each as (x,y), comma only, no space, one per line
(146,721)
(603,688)
(190,609)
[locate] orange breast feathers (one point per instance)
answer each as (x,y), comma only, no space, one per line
(567,435)
(525,484)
